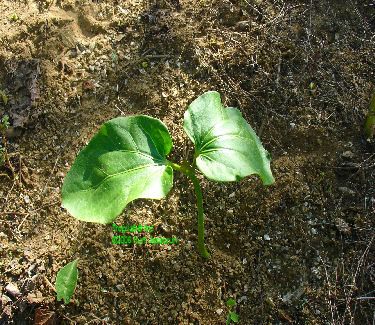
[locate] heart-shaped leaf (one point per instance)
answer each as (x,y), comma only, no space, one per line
(123,162)
(226,147)
(230,302)
(66,281)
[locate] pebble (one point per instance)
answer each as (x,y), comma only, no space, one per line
(346,190)
(348,154)
(4,300)
(12,289)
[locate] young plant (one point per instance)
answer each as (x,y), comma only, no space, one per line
(127,160)
(66,281)
(232,316)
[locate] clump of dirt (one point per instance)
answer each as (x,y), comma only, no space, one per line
(301,250)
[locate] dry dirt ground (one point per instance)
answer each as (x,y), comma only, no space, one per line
(302,73)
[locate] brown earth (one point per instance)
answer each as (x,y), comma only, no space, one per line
(302,73)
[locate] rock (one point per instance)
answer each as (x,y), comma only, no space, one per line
(243,26)
(348,154)
(4,300)
(346,190)
(12,289)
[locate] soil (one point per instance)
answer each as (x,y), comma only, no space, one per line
(301,72)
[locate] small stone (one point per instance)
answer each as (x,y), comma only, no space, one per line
(348,154)
(92,46)
(219,311)
(12,289)
(346,190)
(26,199)
(4,300)
(242,26)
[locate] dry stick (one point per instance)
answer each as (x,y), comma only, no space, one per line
(360,262)
(5,175)
(49,283)
(329,290)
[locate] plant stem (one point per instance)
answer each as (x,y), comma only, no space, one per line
(198,193)
(228,319)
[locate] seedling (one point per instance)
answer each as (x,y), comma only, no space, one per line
(127,160)
(232,316)
(66,281)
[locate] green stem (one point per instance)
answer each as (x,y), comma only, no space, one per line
(198,193)
(228,319)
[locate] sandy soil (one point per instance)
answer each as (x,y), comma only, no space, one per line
(302,73)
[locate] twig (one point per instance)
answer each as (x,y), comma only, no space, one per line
(49,283)
(360,262)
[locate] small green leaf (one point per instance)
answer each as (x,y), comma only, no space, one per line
(4,122)
(126,160)
(226,147)
(66,281)
(231,302)
(233,316)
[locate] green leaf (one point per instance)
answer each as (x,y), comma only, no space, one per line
(66,281)
(226,147)
(123,162)
(231,302)
(233,316)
